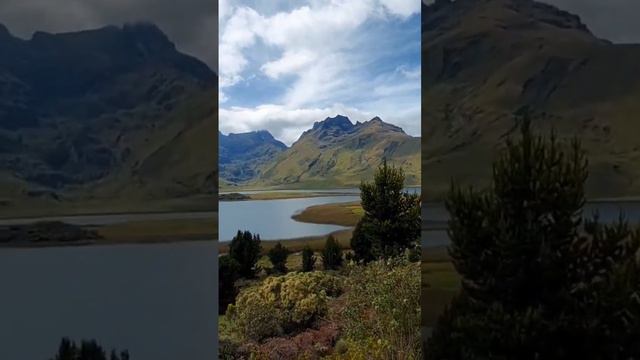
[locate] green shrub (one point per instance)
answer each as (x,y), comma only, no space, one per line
(278,256)
(331,254)
(383,307)
(228,273)
(283,304)
(414,253)
(245,249)
(308,259)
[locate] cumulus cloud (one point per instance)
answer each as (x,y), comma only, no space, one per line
(320,53)
(287,124)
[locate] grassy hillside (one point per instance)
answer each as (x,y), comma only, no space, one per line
(486,61)
(339,154)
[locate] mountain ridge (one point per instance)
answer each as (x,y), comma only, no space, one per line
(335,152)
(487,62)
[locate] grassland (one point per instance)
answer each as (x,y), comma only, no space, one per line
(440,283)
(343,214)
(152,231)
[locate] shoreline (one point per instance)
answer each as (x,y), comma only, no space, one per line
(341,214)
(159,231)
(86,243)
(276,195)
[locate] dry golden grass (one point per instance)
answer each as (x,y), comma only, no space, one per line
(160,231)
(344,214)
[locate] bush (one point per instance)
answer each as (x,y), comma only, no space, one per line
(331,254)
(367,349)
(415,252)
(283,304)
(383,309)
(278,256)
(245,249)
(308,259)
(228,273)
(308,345)
(391,220)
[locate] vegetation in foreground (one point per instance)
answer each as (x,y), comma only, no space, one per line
(537,280)
(328,302)
(87,350)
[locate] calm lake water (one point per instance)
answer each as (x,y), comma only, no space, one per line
(158,301)
(435,216)
(272,218)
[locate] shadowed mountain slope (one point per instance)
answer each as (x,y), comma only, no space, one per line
(113,115)
(484,61)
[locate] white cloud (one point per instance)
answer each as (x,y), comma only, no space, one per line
(286,124)
(290,63)
(239,32)
(402,8)
(324,28)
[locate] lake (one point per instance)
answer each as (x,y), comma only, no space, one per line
(272,218)
(435,216)
(158,301)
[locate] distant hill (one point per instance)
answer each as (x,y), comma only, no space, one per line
(336,152)
(113,115)
(241,155)
(484,61)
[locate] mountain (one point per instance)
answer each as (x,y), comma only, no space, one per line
(241,155)
(336,152)
(113,115)
(485,61)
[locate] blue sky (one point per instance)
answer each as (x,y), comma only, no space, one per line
(284,65)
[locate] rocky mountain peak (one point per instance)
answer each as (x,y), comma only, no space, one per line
(339,121)
(379,125)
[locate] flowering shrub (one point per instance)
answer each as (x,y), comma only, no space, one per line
(283,304)
(382,312)
(310,344)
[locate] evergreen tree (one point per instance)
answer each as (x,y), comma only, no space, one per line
(245,249)
(308,259)
(67,350)
(228,273)
(391,222)
(124,355)
(534,286)
(332,254)
(278,256)
(88,350)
